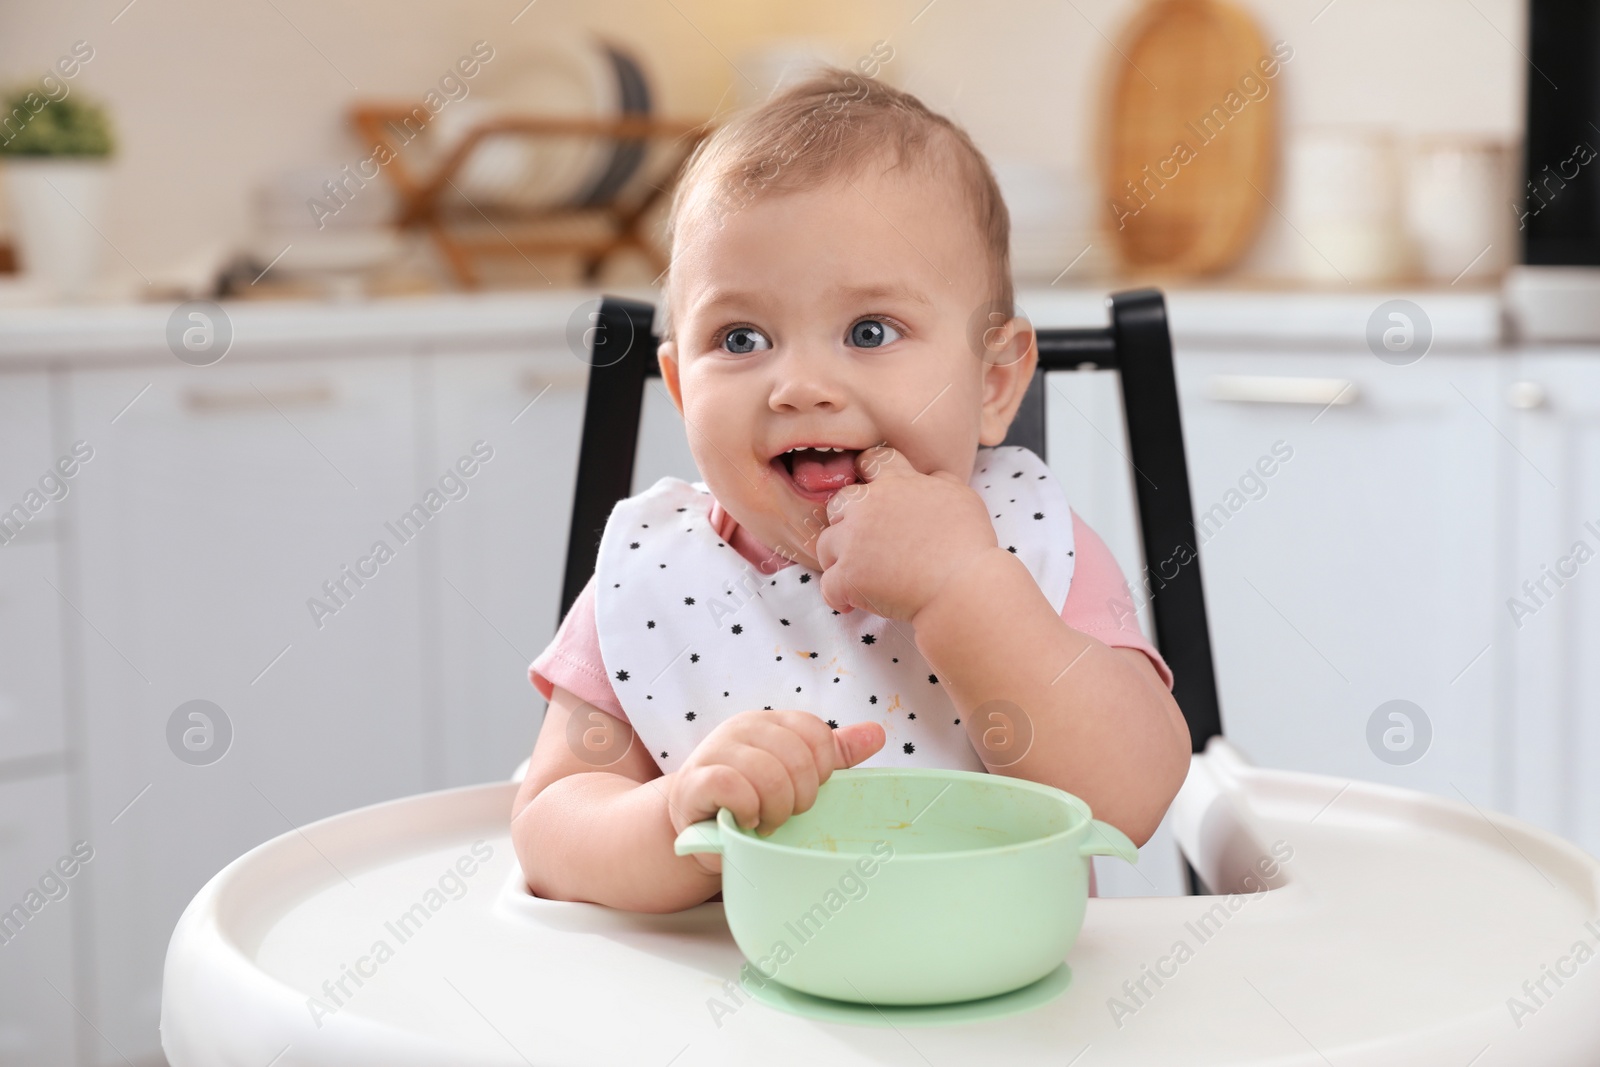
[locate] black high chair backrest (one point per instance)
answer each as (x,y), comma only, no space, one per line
(622,353)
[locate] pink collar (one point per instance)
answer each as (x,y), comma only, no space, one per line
(759,555)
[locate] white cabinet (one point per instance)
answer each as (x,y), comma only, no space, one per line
(217,506)
(33,499)
(37,988)
(502,546)
(1348,551)
(1547,604)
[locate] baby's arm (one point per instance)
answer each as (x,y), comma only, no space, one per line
(1102,723)
(600,833)
(600,827)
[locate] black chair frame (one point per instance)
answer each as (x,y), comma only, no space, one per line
(622,353)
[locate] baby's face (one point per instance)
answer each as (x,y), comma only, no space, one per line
(839,317)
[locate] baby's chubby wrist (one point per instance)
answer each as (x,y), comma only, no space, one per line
(985,576)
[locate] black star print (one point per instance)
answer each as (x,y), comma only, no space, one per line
(646,525)
(913,715)
(650,624)
(724,692)
(958,722)
(797,689)
(934,678)
(804,578)
(1041,477)
(813,655)
(663,566)
(777,657)
(647,696)
(721,545)
(737,628)
(836,613)
(694,657)
(836,679)
(784,621)
(622,676)
(1018,474)
(1069,553)
(616,585)
(663,755)
(766,707)
(867,639)
(689,715)
(683,509)
(907,748)
(1011,548)
(872,700)
(833,724)
(894,659)
(633,544)
(1038,514)
(688,600)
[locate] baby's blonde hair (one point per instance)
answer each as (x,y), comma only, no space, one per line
(829,126)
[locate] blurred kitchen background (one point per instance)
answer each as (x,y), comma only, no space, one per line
(264,277)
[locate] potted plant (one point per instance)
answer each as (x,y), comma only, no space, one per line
(56,172)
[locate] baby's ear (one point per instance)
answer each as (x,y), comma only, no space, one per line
(1006,377)
(667,357)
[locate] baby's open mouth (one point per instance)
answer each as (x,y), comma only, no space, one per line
(817,472)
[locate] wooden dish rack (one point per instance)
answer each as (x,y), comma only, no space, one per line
(420,195)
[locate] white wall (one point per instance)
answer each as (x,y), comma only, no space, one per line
(209,98)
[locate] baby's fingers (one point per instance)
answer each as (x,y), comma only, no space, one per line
(836,590)
(857,741)
(707,789)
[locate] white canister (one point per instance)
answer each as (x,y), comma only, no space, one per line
(58,212)
(1342,196)
(1457,194)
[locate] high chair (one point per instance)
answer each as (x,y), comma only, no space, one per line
(1329,921)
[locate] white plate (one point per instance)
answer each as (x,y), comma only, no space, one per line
(563,76)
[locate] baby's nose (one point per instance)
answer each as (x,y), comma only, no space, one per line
(807,390)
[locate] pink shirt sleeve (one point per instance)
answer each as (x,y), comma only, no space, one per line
(1098,604)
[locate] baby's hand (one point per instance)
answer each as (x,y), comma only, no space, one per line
(894,539)
(764,766)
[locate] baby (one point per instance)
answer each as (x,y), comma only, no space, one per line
(863,578)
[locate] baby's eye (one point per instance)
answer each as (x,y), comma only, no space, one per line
(743,339)
(872,333)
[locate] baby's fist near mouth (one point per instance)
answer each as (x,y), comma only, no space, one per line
(896,536)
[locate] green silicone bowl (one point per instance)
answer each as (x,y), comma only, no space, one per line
(911,887)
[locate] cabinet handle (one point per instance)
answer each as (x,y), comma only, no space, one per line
(1280,389)
(1526,396)
(214,400)
(560,377)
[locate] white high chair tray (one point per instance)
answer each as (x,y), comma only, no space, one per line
(1400,930)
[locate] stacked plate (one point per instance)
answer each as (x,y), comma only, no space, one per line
(566,77)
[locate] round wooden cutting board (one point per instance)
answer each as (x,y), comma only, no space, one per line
(1188,145)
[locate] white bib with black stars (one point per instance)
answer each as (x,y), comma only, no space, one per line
(691,633)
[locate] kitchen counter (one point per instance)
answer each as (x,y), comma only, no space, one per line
(134,333)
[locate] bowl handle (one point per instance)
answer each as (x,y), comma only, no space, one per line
(1103,840)
(701,837)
